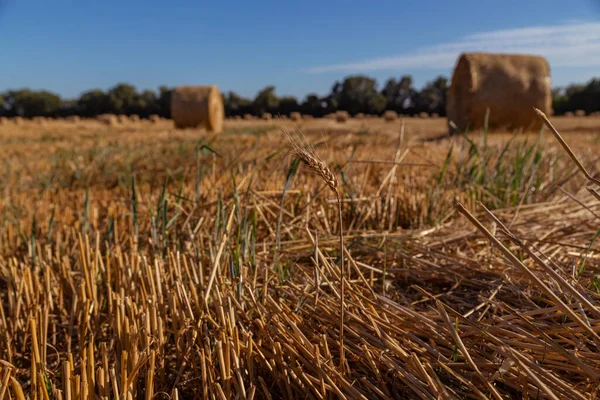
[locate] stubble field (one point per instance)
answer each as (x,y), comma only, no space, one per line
(139,261)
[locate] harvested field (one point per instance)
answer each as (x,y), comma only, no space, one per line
(141,261)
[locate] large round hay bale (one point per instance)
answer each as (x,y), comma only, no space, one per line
(108,119)
(390,115)
(579,113)
(197,106)
(342,116)
(267,116)
(295,116)
(509,85)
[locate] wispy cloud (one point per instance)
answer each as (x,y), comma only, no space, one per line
(572,45)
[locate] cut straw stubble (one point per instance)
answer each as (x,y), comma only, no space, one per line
(320,168)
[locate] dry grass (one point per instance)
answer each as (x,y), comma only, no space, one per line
(139,262)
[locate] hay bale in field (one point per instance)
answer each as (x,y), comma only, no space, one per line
(108,119)
(509,85)
(237,117)
(307,117)
(579,113)
(569,114)
(423,115)
(390,115)
(267,116)
(296,116)
(154,118)
(249,117)
(595,114)
(435,115)
(122,119)
(342,116)
(134,118)
(359,116)
(197,106)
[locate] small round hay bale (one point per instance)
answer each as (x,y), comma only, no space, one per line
(134,118)
(73,118)
(423,115)
(342,116)
(579,113)
(435,115)
(249,117)
(569,114)
(509,85)
(390,115)
(267,116)
(108,119)
(296,116)
(307,117)
(197,106)
(237,117)
(359,116)
(595,114)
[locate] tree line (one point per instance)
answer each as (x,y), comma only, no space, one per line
(354,94)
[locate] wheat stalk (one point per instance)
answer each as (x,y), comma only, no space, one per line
(310,158)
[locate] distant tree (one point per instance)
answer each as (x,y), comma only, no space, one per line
(147,104)
(265,101)
(123,99)
(586,97)
(432,97)
(287,105)
(28,103)
(237,105)
(164,101)
(313,105)
(93,103)
(2,108)
(359,94)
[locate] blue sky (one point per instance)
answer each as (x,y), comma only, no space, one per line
(69,46)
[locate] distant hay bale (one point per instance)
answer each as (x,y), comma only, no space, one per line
(423,115)
(579,113)
(509,85)
(390,115)
(249,117)
(307,117)
(108,119)
(237,117)
(296,116)
(569,114)
(435,115)
(197,106)
(342,116)
(595,114)
(267,116)
(359,116)
(154,118)
(134,118)
(122,119)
